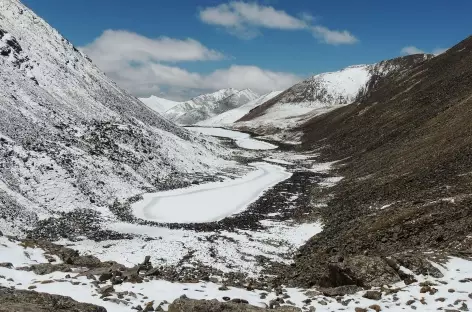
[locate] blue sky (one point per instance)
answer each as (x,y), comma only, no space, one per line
(177,49)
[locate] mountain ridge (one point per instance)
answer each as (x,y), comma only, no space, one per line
(70,137)
(208,105)
(320,94)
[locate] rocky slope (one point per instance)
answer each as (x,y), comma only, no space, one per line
(404,150)
(69,137)
(319,94)
(208,105)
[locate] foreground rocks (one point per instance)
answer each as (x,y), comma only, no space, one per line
(361,271)
(30,301)
(188,305)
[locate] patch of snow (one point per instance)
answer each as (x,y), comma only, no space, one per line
(243,140)
(18,255)
(210,201)
(158,104)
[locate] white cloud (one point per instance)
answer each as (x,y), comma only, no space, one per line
(409,50)
(438,51)
(141,65)
(118,46)
(412,50)
(153,78)
(333,36)
(245,19)
(239,15)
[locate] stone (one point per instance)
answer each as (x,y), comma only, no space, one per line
(359,270)
(153,272)
(360,309)
(425,289)
(106,290)
(340,290)
(189,305)
(149,306)
(28,301)
(418,264)
(410,302)
(223,288)
(7,265)
(373,295)
(375,307)
(105,277)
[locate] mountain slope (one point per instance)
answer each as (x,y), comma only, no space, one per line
(234,114)
(208,105)
(69,137)
(158,104)
(406,149)
(319,94)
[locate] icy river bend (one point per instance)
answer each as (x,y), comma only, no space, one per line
(216,200)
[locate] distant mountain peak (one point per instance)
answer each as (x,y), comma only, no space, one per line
(208,105)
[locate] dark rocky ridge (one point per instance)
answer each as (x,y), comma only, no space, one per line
(406,143)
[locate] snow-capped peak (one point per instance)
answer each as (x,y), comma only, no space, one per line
(208,105)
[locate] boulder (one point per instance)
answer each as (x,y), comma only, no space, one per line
(363,271)
(418,264)
(31,301)
(190,305)
(340,290)
(373,295)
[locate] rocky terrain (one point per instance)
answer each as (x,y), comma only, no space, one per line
(105,205)
(70,138)
(404,150)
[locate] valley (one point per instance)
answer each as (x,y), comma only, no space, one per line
(128,183)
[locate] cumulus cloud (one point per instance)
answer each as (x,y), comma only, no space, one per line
(118,46)
(146,66)
(241,15)
(409,50)
(152,78)
(245,19)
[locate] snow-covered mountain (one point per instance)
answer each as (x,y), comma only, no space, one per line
(208,105)
(320,93)
(159,104)
(70,137)
(233,115)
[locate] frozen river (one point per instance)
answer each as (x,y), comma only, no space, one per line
(213,201)
(242,139)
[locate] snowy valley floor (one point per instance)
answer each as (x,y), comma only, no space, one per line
(234,232)
(453,292)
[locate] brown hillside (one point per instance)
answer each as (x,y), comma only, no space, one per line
(408,144)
